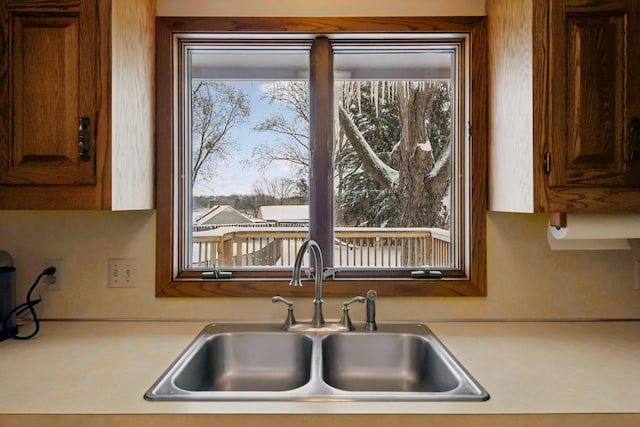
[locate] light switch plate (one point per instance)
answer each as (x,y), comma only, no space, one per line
(122,272)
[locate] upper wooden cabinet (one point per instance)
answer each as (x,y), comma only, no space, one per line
(563,98)
(76,104)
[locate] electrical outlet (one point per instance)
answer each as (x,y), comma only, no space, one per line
(122,273)
(53,282)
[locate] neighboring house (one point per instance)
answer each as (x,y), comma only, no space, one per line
(284,214)
(221,214)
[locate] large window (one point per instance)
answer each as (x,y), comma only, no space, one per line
(357,134)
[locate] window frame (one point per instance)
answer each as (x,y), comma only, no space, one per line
(172,281)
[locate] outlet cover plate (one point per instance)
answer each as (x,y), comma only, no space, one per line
(53,283)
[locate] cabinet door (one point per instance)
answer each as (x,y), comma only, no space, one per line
(48,84)
(594,85)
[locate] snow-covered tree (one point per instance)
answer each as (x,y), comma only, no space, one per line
(401,134)
(392,149)
(365,194)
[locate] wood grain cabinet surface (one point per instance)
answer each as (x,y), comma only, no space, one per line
(565,110)
(76,104)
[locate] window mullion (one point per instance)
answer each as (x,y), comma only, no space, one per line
(321,147)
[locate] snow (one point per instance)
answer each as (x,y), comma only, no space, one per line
(425,146)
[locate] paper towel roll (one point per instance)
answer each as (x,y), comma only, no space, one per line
(595,232)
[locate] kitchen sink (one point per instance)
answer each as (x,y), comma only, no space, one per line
(385,362)
(246,361)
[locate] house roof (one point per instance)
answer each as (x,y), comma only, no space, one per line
(284,213)
(222,214)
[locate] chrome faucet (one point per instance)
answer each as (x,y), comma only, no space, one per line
(318,318)
(318,322)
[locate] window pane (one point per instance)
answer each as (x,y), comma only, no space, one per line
(393,157)
(249,164)
(395,204)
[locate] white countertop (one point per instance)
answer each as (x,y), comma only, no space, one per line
(104,367)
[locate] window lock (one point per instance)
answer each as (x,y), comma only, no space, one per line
(216,273)
(426,274)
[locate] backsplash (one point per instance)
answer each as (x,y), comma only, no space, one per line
(526,280)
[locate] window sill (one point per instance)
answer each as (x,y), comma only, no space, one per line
(445,287)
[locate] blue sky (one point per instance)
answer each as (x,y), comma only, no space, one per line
(233,177)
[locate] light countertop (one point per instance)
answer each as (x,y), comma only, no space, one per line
(544,368)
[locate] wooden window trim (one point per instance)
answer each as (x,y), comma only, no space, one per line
(173,283)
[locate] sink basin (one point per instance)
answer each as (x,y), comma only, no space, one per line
(268,361)
(385,362)
(244,361)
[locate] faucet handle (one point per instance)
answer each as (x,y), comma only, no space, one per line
(345,321)
(290,320)
(352,300)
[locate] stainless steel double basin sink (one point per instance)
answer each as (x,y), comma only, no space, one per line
(243,361)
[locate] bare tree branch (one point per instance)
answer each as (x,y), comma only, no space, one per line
(216,109)
(293,95)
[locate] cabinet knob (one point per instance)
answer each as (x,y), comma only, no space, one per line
(83,139)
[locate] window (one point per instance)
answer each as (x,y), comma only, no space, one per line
(371,122)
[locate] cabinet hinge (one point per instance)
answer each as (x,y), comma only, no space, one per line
(547,162)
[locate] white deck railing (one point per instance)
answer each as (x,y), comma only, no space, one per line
(354,246)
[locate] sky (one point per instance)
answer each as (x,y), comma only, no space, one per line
(234,177)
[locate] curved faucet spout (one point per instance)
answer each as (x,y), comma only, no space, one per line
(312,245)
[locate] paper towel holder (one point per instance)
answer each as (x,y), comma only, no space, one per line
(558,219)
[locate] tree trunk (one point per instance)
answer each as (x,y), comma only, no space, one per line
(421,185)
(420,181)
